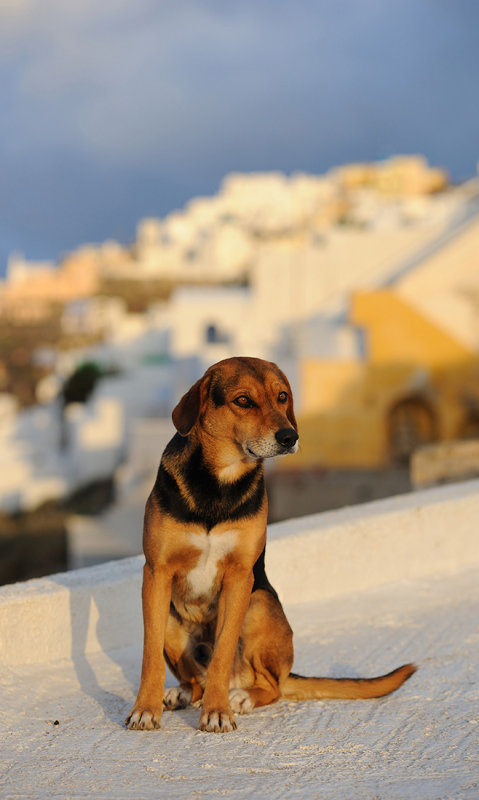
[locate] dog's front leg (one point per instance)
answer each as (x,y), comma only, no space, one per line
(216,715)
(156,596)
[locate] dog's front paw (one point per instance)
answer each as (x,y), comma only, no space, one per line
(177,697)
(240,701)
(144,719)
(217,722)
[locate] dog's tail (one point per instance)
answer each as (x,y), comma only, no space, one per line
(298,688)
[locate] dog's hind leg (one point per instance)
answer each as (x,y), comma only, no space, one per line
(187,661)
(267,655)
(177,697)
(244,700)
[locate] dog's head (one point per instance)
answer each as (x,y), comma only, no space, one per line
(246,401)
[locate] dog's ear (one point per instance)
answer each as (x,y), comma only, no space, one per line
(290,408)
(188,409)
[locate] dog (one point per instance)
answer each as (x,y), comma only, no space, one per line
(209,610)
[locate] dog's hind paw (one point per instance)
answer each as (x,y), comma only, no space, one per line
(177,697)
(217,722)
(240,701)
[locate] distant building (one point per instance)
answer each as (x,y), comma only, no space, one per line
(213,323)
(221,239)
(443,280)
(411,382)
(30,289)
(93,315)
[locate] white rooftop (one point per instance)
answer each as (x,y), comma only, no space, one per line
(365,589)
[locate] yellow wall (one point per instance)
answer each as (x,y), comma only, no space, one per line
(396,333)
(324,383)
(336,420)
(345,406)
(342,422)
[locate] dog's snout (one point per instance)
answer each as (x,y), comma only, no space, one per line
(286,437)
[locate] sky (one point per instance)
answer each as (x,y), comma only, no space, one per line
(120,109)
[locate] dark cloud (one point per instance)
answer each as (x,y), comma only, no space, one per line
(123,108)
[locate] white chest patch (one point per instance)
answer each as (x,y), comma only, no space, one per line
(214,547)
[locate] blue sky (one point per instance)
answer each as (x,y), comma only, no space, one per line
(118,109)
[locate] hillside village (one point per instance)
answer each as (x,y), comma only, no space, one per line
(304,270)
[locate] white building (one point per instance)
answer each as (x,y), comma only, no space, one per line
(98,315)
(213,323)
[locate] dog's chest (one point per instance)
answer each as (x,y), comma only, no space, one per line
(213,549)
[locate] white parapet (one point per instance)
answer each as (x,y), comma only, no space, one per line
(309,559)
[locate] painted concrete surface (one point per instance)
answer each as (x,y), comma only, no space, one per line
(62,733)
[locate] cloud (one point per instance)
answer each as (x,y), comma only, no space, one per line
(115,108)
(115,79)
(128,82)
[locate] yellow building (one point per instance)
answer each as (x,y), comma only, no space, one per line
(397,176)
(31,293)
(416,383)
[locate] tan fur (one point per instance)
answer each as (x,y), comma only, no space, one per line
(298,688)
(227,646)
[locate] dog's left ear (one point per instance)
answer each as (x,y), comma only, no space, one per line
(290,408)
(188,409)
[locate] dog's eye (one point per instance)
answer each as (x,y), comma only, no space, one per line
(243,402)
(282,397)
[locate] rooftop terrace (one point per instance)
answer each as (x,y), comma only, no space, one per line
(365,589)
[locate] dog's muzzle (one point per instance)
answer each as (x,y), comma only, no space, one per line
(281,443)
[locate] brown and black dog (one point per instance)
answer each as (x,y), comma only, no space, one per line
(208,607)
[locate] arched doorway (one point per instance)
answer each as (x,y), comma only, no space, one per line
(411,423)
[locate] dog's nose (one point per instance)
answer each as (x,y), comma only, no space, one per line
(286,437)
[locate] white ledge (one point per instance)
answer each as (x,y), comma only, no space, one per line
(309,559)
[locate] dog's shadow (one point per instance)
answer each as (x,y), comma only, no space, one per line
(91,614)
